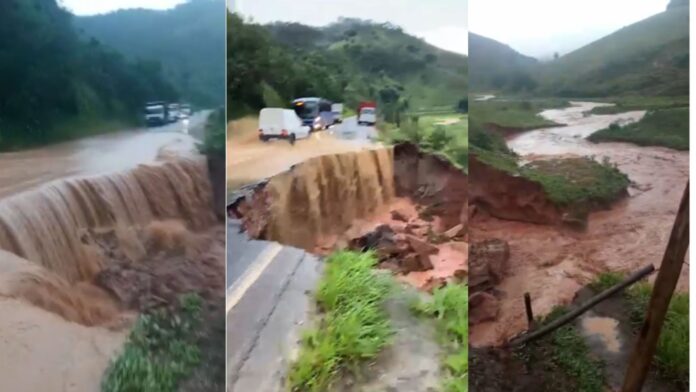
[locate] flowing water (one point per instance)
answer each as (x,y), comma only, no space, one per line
(552,264)
(53,203)
(324,195)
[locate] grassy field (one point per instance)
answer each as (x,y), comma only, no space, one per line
(664,127)
(450,307)
(514,113)
(625,104)
(672,355)
(354,326)
(444,133)
(577,181)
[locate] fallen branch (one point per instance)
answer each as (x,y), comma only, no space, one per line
(570,316)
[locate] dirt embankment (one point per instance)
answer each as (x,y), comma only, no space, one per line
(551,261)
(505,196)
(79,258)
(409,206)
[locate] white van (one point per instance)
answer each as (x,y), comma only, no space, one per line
(277,123)
(367,116)
(337,109)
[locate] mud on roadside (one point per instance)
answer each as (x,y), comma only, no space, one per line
(408,206)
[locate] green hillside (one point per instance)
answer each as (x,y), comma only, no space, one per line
(57,86)
(650,57)
(497,67)
(350,60)
(188,40)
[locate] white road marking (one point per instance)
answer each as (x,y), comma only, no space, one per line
(236,292)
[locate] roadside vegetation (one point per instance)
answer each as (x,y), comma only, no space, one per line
(672,355)
(161,351)
(445,134)
(348,61)
(514,115)
(449,305)
(87,89)
(215,137)
(354,326)
(664,127)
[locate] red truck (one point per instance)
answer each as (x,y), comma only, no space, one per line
(367,113)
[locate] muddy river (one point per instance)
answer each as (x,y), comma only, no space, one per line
(551,263)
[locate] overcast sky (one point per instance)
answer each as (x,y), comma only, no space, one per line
(539,28)
(442,23)
(92,7)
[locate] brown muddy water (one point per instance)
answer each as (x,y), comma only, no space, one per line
(64,319)
(27,169)
(324,203)
(552,263)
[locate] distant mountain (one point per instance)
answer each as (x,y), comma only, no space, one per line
(430,76)
(494,66)
(650,57)
(189,42)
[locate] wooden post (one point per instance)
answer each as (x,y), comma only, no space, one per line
(528,308)
(665,283)
(575,313)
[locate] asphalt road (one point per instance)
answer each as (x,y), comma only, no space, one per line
(110,152)
(269,285)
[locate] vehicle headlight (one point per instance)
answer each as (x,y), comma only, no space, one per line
(317,120)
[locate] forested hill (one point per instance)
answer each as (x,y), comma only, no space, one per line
(56,86)
(188,40)
(349,61)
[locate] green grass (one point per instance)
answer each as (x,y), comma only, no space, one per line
(626,104)
(571,354)
(354,326)
(666,127)
(446,134)
(514,113)
(161,350)
(672,354)
(450,307)
(577,181)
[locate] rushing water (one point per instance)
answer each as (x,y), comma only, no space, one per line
(552,264)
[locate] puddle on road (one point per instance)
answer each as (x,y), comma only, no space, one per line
(606,329)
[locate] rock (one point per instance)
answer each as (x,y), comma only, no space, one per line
(434,283)
(411,263)
(423,249)
(488,261)
(454,232)
(400,214)
(483,307)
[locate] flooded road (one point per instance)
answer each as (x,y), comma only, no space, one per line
(112,152)
(251,160)
(552,264)
(70,211)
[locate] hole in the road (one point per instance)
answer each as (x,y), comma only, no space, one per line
(90,248)
(407,205)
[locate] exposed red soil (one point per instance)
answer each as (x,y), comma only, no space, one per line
(411,207)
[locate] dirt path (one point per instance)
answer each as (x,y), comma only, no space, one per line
(552,264)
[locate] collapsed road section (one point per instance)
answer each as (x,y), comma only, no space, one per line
(80,258)
(408,206)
